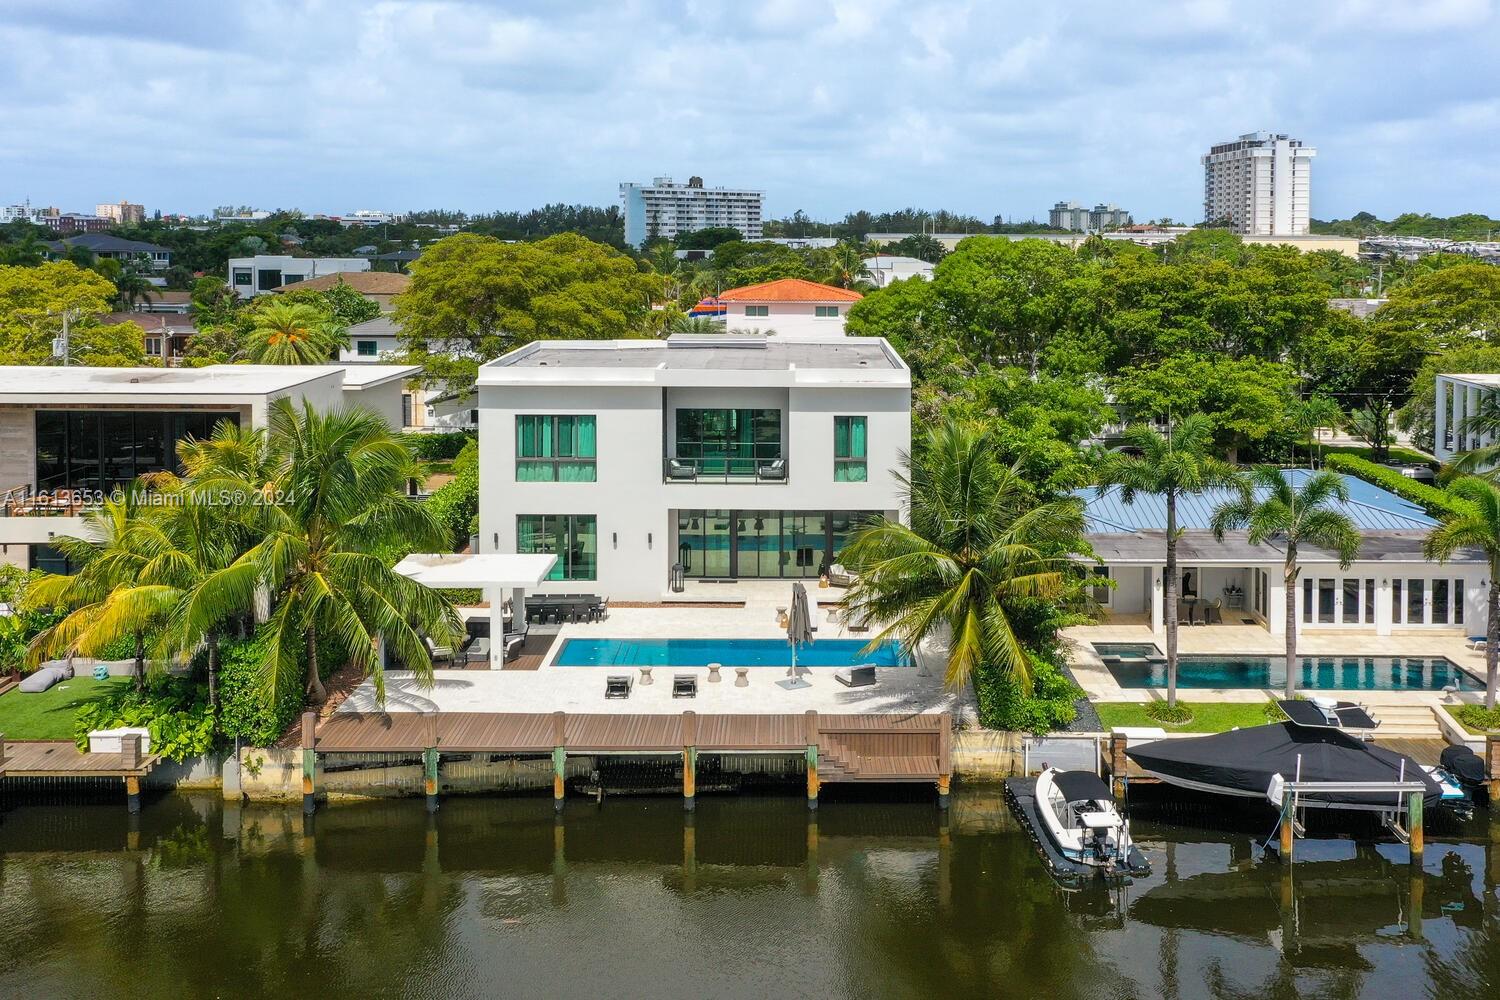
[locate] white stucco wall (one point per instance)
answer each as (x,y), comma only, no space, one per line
(790,320)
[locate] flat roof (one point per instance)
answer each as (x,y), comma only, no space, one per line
(492,569)
(688,358)
(1483,381)
(360,376)
(28,383)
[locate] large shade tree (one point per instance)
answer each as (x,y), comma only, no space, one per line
(1477,527)
(1171,464)
(979,542)
(1295,510)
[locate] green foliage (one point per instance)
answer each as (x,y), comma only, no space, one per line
(438,447)
(918,245)
(1004,702)
(1417,417)
(1246,398)
(707,239)
(1437,502)
(1467,226)
(1446,307)
(245,711)
(1273,712)
(287,332)
(1171,715)
(1479,718)
(349,306)
(173,709)
(455,504)
(33,302)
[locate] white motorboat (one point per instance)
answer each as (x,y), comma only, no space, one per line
(1079,817)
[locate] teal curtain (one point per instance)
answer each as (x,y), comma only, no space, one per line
(541,440)
(857,437)
(586,444)
(849,450)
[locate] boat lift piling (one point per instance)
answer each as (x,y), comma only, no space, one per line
(1408,800)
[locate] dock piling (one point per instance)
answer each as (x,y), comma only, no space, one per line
(812,759)
(1118,763)
(131,747)
(689,760)
(1492,767)
(309,762)
(1288,824)
(945,759)
(559,758)
(430,763)
(1414,826)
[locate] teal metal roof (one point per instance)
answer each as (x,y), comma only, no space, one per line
(1369,507)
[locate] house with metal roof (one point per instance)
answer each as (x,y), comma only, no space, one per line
(1390,587)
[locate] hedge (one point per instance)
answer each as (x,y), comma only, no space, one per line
(456,502)
(244,710)
(1436,502)
(438,447)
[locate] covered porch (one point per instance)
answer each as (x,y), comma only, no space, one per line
(502,578)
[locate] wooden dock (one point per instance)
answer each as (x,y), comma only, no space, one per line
(59,759)
(837,748)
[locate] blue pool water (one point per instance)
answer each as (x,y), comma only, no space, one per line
(728,652)
(1145,667)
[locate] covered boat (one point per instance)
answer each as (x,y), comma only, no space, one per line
(1246,762)
(1078,815)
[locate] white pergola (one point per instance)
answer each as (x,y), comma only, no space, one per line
(492,572)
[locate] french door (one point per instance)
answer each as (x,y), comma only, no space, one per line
(1419,601)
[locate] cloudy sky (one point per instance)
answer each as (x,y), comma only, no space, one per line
(826,105)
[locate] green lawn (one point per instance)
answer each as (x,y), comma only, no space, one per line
(49,715)
(1208,716)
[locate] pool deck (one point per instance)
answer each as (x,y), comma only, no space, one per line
(552,688)
(1100,685)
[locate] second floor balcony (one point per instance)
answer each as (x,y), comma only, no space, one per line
(725,469)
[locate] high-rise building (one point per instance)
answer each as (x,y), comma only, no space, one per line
(125,213)
(664,209)
(1075,218)
(1260,184)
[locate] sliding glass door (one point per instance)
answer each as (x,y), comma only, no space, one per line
(762,544)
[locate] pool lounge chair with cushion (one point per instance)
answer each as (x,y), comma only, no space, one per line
(438,652)
(1477,642)
(680,470)
(685,686)
(838,576)
(617,686)
(856,677)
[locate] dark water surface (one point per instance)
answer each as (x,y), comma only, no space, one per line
(754,897)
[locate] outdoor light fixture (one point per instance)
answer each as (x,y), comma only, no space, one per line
(615,537)
(496,537)
(648,539)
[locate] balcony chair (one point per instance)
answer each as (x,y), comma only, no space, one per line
(772,471)
(839,576)
(681,471)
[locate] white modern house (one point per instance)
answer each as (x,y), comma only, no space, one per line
(70,435)
(886,268)
(1391,587)
(734,457)
(1459,398)
(791,308)
(252,276)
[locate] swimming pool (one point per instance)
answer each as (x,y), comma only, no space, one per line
(727,652)
(1139,668)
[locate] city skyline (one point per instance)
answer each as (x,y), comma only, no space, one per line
(982,109)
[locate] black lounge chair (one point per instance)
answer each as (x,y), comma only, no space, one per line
(856,677)
(618,686)
(685,686)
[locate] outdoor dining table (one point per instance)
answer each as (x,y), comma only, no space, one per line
(1192,601)
(566,604)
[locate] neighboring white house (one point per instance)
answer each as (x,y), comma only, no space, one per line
(737,457)
(792,308)
(251,276)
(376,343)
(1392,586)
(885,269)
(1458,399)
(70,435)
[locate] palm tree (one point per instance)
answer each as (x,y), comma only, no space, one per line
(294,333)
(847,265)
(332,506)
(131,287)
(1271,507)
(978,544)
(1311,414)
(1476,528)
(695,324)
(109,565)
(1171,465)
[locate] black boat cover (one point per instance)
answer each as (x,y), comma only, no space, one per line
(1244,761)
(1464,764)
(1081,786)
(1346,715)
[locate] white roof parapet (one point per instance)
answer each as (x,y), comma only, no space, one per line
(449,571)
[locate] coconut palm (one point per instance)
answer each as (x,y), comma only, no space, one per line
(1478,527)
(1171,465)
(978,544)
(846,267)
(695,324)
(131,287)
(1272,507)
(331,506)
(108,565)
(294,333)
(1310,415)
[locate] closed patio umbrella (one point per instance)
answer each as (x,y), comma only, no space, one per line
(798,630)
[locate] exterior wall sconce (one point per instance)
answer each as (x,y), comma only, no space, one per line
(648,539)
(496,537)
(615,539)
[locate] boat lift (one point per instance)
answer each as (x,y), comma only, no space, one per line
(1402,814)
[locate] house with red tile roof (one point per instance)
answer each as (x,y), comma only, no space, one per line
(791,308)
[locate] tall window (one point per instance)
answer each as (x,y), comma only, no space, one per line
(573,538)
(849,465)
(555,449)
(728,441)
(99,450)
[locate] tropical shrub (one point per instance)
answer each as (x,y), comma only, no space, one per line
(1479,718)
(174,710)
(1172,715)
(244,710)
(1005,704)
(1436,502)
(439,447)
(455,504)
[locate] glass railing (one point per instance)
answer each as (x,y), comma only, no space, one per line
(774,469)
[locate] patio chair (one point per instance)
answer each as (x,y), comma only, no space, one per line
(617,686)
(436,652)
(855,677)
(839,576)
(478,651)
(685,686)
(599,611)
(1213,614)
(513,646)
(1477,642)
(774,470)
(681,471)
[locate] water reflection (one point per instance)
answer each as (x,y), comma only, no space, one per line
(751,895)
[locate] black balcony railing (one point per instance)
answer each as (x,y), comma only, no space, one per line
(725,470)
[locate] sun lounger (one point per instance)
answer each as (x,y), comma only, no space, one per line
(617,686)
(1477,642)
(856,677)
(685,686)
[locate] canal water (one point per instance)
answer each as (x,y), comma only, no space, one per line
(753,897)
